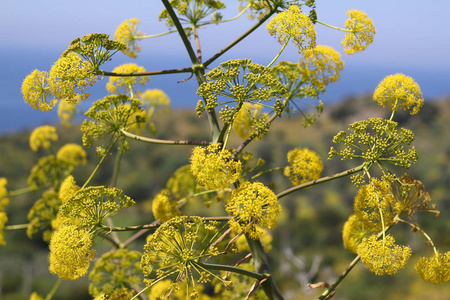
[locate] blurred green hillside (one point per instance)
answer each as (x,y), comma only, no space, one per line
(307,245)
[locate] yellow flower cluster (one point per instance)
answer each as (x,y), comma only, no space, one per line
(246,117)
(4,199)
(214,168)
(128,35)
(353,232)
(435,269)
(36,91)
(293,24)
(383,257)
(3,220)
(72,154)
(253,204)
(362,32)
(372,204)
(69,74)
(321,65)
(163,207)
(42,136)
(154,98)
(399,91)
(304,165)
(70,253)
(67,189)
(127,84)
(35,296)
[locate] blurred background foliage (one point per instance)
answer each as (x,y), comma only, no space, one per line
(307,247)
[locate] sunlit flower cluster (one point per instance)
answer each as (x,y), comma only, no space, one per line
(92,205)
(399,91)
(293,24)
(70,252)
(42,136)
(377,141)
(246,118)
(73,154)
(175,251)
(435,269)
(3,220)
(42,213)
(214,168)
(69,77)
(116,272)
(253,204)
(362,32)
(4,198)
(66,112)
(67,189)
(304,165)
(128,34)
(36,91)
(353,232)
(126,84)
(383,256)
(163,207)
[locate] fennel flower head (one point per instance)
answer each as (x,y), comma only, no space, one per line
(253,204)
(399,91)
(42,136)
(304,165)
(70,253)
(293,24)
(36,91)
(128,34)
(73,154)
(361,32)
(435,269)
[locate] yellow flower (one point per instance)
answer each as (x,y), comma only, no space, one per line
(42,136)
(128,35)
(372,204)
(66,112)
(353,233)
(362,32)
(69,75)
(304,165)
(35,296)
(245,120)
(435,269)
(73,154)
(214,168)
(292,23)
(321,65)
(70,253)
(399,91)
(253,204)
(126,85)
(4,199)
(67,189)
(163,207)
(101,297)
(3,220)
(154,98)
(383,257)
(36,91)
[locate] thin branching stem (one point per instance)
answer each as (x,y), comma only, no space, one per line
(158,141)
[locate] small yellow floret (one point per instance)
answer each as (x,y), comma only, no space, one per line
(42,136)
(73,154)
(70,253)
(304,165)
(435,269)
(362,32)
(383,257)
(128,34)
(399,91)
(292,23)
(36,91)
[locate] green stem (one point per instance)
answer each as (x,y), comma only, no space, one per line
(321,180)
(17,226)
(265,172)
(158,141)
(421,231)
(99,164)
(334,27)
(138,74)
(278,55)
(54,289)
(240,38)
(21,191)
(232,269)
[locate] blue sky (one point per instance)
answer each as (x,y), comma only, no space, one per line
(412,37)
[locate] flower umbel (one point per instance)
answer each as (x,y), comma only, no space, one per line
(42,136)
(253,204)
(293,24)
(304,165)
(362,32)
(126,85)
(163,207)
(383,257)
(247,118)
(128,34)
(72,154)
(399,92)
(435,269)
(70,253)
(353,232)
(36,91)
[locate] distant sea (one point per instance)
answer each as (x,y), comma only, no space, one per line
(16,115)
